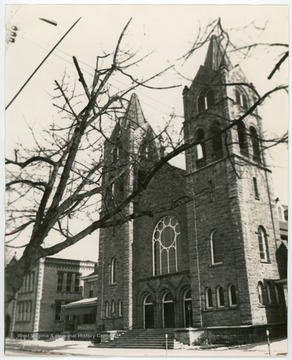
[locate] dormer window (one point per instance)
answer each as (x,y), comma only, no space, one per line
(241,98)
(205,100)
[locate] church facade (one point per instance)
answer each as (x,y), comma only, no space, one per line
(199,247)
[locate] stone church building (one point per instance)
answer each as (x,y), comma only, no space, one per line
(200,250)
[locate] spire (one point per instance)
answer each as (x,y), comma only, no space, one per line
(216,55)
(134,115)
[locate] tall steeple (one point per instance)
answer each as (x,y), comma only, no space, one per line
(216,55)
(134,115)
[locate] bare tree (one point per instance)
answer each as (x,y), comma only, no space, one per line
(59,180)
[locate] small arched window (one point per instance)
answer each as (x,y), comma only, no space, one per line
(220,296)
(113,307)
(216,248)
(255,144)
(263,244)
(106,309)
(232,295)
(269,294)
(120,308)
(206,100)
(217,147)
(165,240)
(113,270)
(200,149)
(208,298)
(242,138)
(260,293)
(241,98)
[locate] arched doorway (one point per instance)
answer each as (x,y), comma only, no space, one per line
(168,311)
(188,314)
(148,312)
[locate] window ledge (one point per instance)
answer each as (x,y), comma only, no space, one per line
(217,264)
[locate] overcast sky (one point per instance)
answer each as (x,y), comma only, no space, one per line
(169,30)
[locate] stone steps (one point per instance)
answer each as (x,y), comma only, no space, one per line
(142,339)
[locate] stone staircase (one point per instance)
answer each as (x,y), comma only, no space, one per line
(142,339)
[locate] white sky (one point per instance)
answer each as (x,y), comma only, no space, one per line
(170,30)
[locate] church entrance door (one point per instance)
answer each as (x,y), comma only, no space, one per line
(148,313)
(168,311)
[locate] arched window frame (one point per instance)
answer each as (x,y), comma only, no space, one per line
(216,248)
(256,152)
(220,297)
(263,244)
(208,298)
(242,138)
(159,249)
(260,290)
(206,100)
(232,296)
(113,271)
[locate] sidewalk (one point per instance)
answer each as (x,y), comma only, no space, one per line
(84,348)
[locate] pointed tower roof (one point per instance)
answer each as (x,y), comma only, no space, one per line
(216,55)
(134,115)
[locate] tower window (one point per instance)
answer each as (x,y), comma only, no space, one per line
(255,188)
(242,139)
(165,242)
(205,100)
(215,132)
(113,307)
(263,244)
(216,248)
(232,295)
(113,271)
(241,98)
(255,144)
(200,149)
(220,296)
(208,298)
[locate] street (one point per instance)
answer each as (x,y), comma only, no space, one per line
(84,348)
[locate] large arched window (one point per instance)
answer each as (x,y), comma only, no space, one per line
(255,144)
(165,240)
(217,147)
(206,100)
(208,298)
(113,271)
(216,248)
(242,139)
(200,149)
(263,244)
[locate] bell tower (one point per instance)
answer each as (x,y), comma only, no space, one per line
(130,150)
(231,218)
